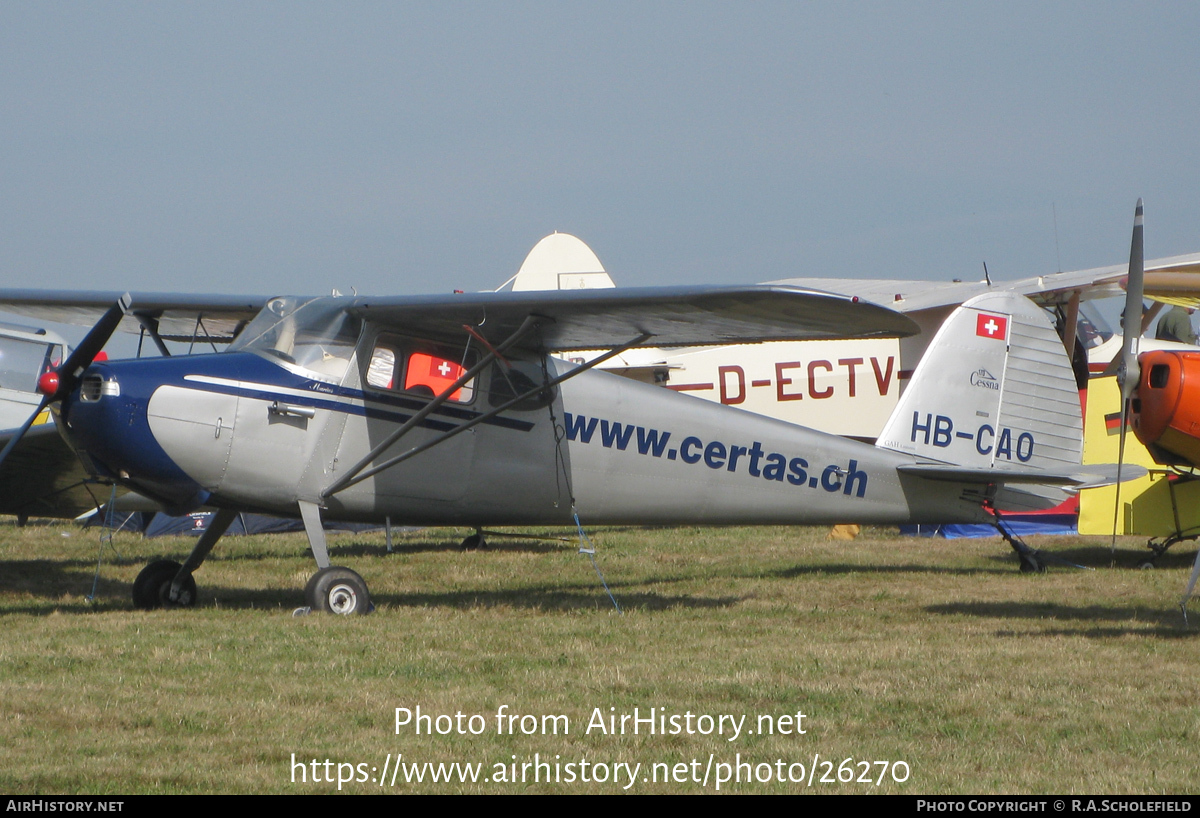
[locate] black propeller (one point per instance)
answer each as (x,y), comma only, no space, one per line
(56,384)
(1128,370)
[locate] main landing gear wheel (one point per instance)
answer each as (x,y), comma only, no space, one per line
(338,591)
(152,588)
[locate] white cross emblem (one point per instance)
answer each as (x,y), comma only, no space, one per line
(991,326)
(444,368)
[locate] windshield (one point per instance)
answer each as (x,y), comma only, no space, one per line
(316,334)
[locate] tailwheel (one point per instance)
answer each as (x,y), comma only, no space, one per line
(152,588)
(338,591)
(474,542)
(1031,562)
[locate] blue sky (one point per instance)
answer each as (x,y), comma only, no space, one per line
(398,147)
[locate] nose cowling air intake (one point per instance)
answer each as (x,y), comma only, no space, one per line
(95,419)
(1166,411)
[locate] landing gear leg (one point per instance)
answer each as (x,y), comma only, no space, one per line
(1032,560)
(332,589)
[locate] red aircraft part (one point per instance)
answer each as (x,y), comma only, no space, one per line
(1166,414)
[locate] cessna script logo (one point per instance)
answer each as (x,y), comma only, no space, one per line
(985,379)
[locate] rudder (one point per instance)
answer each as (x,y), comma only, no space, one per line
(995,390)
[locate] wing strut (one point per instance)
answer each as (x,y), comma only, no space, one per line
(356,475)
(196,334)
(149,325)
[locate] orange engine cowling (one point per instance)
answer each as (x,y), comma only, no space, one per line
(1166,407)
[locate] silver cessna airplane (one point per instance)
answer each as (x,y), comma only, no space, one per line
(453,410)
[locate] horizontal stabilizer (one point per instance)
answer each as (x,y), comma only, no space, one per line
(1086,477)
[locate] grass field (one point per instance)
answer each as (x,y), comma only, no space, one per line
(937,654)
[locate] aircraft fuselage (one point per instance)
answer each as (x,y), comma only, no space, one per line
(249,431)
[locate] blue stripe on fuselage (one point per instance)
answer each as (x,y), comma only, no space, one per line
(115,434)
(250,368)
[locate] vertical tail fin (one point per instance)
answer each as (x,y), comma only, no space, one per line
(995,390)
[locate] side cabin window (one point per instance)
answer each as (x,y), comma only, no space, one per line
(427,370)
(516,379)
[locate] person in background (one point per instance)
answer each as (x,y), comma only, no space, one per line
(1176,325)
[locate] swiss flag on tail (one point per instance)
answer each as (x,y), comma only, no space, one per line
(988,325)
(434,372)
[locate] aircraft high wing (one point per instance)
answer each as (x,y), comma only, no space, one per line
(451,410)
(162,316)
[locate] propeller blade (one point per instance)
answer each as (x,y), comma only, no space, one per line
(16,438)
(1128,371)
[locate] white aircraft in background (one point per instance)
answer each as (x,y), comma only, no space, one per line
(849,387)
(45,478)
(25,353)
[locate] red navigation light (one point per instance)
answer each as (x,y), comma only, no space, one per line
(48,383)
(101,357)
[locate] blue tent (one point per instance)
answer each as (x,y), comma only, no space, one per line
(1022,525)
(196,523)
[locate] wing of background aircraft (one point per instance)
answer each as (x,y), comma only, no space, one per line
(1179,288)
(1046,290)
